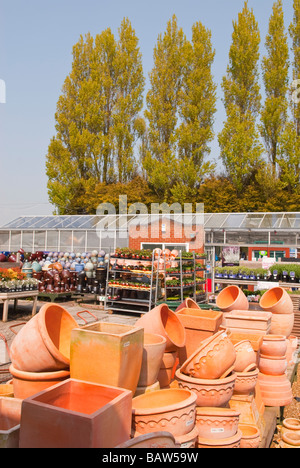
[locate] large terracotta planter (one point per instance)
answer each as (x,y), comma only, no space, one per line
(107,353)
(212,359)
(282,324)
(274,345)
(216,423)
(172,410)
(10,418)
(76,414)
(43,344)
(232,298)
(165,373)
(26,384)
(253,321)
(250,436)
(163,321)
(245,355)
(276,390)
(229,442)
(210,392)
(153,351)
(245,382)
(199,324)
(153,440)
(272,365)
(277,301)
(188,303)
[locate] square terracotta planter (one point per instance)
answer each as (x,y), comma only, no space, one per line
(252,320)
(76,414)
(199,324)
(10,417)
(107,353)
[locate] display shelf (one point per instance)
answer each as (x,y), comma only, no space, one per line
(254,282)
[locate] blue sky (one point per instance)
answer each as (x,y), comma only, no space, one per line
(36,40)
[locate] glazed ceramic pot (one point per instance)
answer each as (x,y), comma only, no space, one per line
(165,373)
(229,442)
(188,303)
(276,390)
(43,344)
(107,353)
(216,423)
(272,365)
(26,384)
(73,413)
(232,298)
(199,324)
(274,345)
(154,440)
(10,410)
(245,355)
(245,382)
(277,301)
(172,410)
(250,436)
(210,392)
(153,351)
(163,321)
(282,324)
(212,359)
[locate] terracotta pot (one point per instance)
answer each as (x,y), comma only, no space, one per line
(274,345)
(272,365)
(10,411)
(291,439)
(250,436)
(277,301)
(245,382)
(43,344)
(163,321)
(292,345)
(188,440)
(199,324)
(72,414)
(26,384)
(160,439)
(188,303)
(153,351)
(215,355)
(165,373)
(289,425)
(253,321)
(282,324)
(254,338)
(149,388)
(6,390)
(232,298)
(107,353)
(216,423)
(173,410)
(276,390)
(245,355)
(210,392)
(230,442)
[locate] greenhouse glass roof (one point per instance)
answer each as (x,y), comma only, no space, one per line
(212,221)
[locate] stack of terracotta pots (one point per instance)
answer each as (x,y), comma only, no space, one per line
(245,368)
(218,427)
(275,387)
(40,351)
(278,301)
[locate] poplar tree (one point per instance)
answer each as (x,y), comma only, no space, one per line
(240,148)
(95,119)
(275,67)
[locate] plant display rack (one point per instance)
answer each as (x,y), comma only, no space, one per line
(183,280)
(131,286)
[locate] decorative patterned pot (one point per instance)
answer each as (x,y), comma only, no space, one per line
(277,301)
(274,345)
(212,359)
(245,382)
(43,344)
(250,436)
(229,442)
(188,440)
(163,321)
(153,351)
(210,392)
(232,298)
(245,355)
(272,365)
(172,410)
(216,423)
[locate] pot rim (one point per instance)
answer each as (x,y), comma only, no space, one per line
(190,400)
(216,382)
(160,339)
(216,411)
(248,373)
(36,376)
(273,358)
(226,441)
(267,293)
